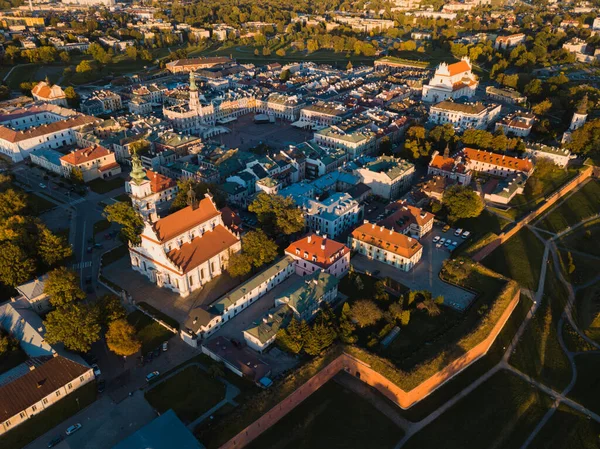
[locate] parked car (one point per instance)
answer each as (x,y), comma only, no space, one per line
(451,248)
(447,242)
(465,234)
(74,428)
(152,375)
(98,245)
(436,238)
(90,249)
(455,243)
(96,369)
(446,228)
(458,232)
(54,441)
(165,346)
(42,185)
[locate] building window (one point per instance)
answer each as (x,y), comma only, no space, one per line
(81,378)
(58,393)
(45,401)
(33,408)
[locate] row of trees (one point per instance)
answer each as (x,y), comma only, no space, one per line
(78,325)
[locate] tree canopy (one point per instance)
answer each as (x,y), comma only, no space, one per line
(121,338)
(278,214)
(131,222)
(75,325)
(62,287)
(462,202)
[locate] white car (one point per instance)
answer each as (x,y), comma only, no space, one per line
(74,428)
(152,375)
(458,232)
(96,369)
(465,234)
(436,238)
(42,185)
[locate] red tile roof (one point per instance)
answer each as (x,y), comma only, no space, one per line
(185,219)
(407,214)
(159,182)
(32,387)
(14,136)
(446,163)
(458,67)
(203,248)
(388,240)
(84,155)
(515,163)
(311,245)
(43,90)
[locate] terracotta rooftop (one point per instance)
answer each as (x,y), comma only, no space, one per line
(13,136)
(458,68)
(159,182)
(312,245)
(404,215)
(39,382)
(387,239)
(446,163)
(50,92)
(84,155)
(515,163)
(185,219)
(202,248)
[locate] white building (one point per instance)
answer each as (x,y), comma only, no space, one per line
(518,124)
(560,156)
(354,141)
(451,82)
(464,115)
(47,159)
(506,42)
(332,215)
(386,245)
(321,114)
(49,93)
(449,167)
(186,249)
(93,162)
(387,176)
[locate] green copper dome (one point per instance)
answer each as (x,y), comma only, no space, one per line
(138,174)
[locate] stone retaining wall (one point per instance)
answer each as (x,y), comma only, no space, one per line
(362,370)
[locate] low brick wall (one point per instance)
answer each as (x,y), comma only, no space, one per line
(360,369)
(550,201)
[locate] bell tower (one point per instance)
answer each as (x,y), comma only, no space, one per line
(194,99)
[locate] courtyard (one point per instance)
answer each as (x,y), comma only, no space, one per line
(425,275)
(245,134)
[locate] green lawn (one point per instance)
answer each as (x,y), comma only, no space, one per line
(331,418)
(114,254)
(500,413)
(150,333)
(458,383)
(124,198)
(581,205)
(585,267)
(585,239)
(574,341)
(588,311)
(587,388)
(38,205)
(519,258)
(41,423)
(101,226)
(567,429)
(539,353)
(106,185)
(190,393)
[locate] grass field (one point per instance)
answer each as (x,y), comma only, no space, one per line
(189,393)
(585,267)
(41,423)
(101,226)
(585,239)
(574,341)
(581,205)
(567,429)
(588,311)
(520,258)
(539,353)
(106,185)
(501,412)
(587,388)
(331,418)
(38,205)
(150,333)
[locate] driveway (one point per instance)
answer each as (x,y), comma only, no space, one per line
(105,423)
(425,276)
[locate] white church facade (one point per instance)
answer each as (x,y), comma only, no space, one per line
(451,81)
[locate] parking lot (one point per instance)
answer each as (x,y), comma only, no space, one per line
(246,134)
(425,275)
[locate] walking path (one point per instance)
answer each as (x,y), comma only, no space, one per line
(550,249)
(231,392)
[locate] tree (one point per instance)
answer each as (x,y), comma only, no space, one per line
(431,307)
(570,263)
(239,265)
(12,203)
(121,338)
(291,338)
(442,135)
(280,53)
(405,317)
(462,202)
(542,108)
(285,75)
(586,140)
(52,248)
(396,310)
(380,292)
(365,313)
(4,92)
(84,67)
(346,327)
(72,97)
(131,52)
(200,189)
(259,248)
(62,286)
(110,309)
(75,325)
(477,138)
(16,267)
(131,222)
(416,144)
(277,214)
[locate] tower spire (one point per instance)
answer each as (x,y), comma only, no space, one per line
(138,174)
(193,86)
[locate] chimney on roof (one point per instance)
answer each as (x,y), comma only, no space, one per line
(309,238)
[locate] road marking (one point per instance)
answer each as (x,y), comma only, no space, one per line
(82,265)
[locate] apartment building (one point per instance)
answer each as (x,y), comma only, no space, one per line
(464,115)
